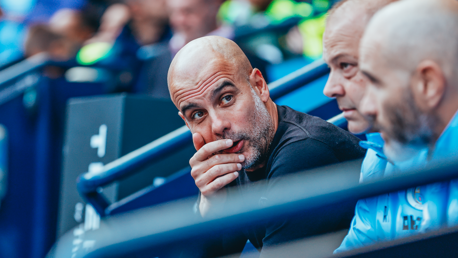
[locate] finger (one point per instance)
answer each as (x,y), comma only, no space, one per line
(200,168)
(219,183)
(215,172)
(208,149)
(198,141)
(222,159)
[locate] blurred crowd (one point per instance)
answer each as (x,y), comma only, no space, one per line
(144,35)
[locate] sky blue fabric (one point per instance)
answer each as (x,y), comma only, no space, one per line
(12,36)
(404,213)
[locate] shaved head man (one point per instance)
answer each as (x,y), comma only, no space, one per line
(242,136)
(226,65)
(344,28)
(409,55)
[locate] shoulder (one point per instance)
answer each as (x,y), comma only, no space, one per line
(296,156)
(298,126)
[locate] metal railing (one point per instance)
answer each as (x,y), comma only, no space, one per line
(34,63)
(28,65)
(89,183)
(173,225)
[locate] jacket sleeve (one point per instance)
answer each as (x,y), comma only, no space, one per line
(362,229)
(452,211)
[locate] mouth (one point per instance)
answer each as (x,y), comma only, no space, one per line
(347,109)
(348,112)
(236,147)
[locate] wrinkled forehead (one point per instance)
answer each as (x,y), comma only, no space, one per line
(197,80)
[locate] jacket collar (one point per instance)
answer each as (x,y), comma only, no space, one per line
(374,142)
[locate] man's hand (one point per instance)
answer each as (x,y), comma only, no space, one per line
(211,171)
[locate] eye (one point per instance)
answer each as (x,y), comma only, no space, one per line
(226,99)
(345,66)
(197,115)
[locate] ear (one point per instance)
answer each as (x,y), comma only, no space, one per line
(259,85)
(429,85)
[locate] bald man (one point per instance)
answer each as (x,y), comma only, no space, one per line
(409,54)
(242,136)
(345,26)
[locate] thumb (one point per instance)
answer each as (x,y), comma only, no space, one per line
(198,141)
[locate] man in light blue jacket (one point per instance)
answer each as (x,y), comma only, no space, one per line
(409,54)
(345,25)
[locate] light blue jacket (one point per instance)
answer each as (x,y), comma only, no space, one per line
(403,213)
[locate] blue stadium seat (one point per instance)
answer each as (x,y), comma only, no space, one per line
(163,232)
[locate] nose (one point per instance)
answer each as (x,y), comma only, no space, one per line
(333,87)
(220,125)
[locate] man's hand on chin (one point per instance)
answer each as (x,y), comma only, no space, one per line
(211,172)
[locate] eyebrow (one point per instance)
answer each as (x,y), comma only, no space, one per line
(188,106)
(214,93)
(370,77)
(337,57)
(220,87)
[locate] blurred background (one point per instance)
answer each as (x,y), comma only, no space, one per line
(84,82)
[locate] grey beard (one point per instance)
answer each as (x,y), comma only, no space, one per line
(259,136)
(263,133)
(411,129)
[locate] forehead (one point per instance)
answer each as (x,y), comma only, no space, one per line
(196,81)
(343,32)
(374,62)
(370,51)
